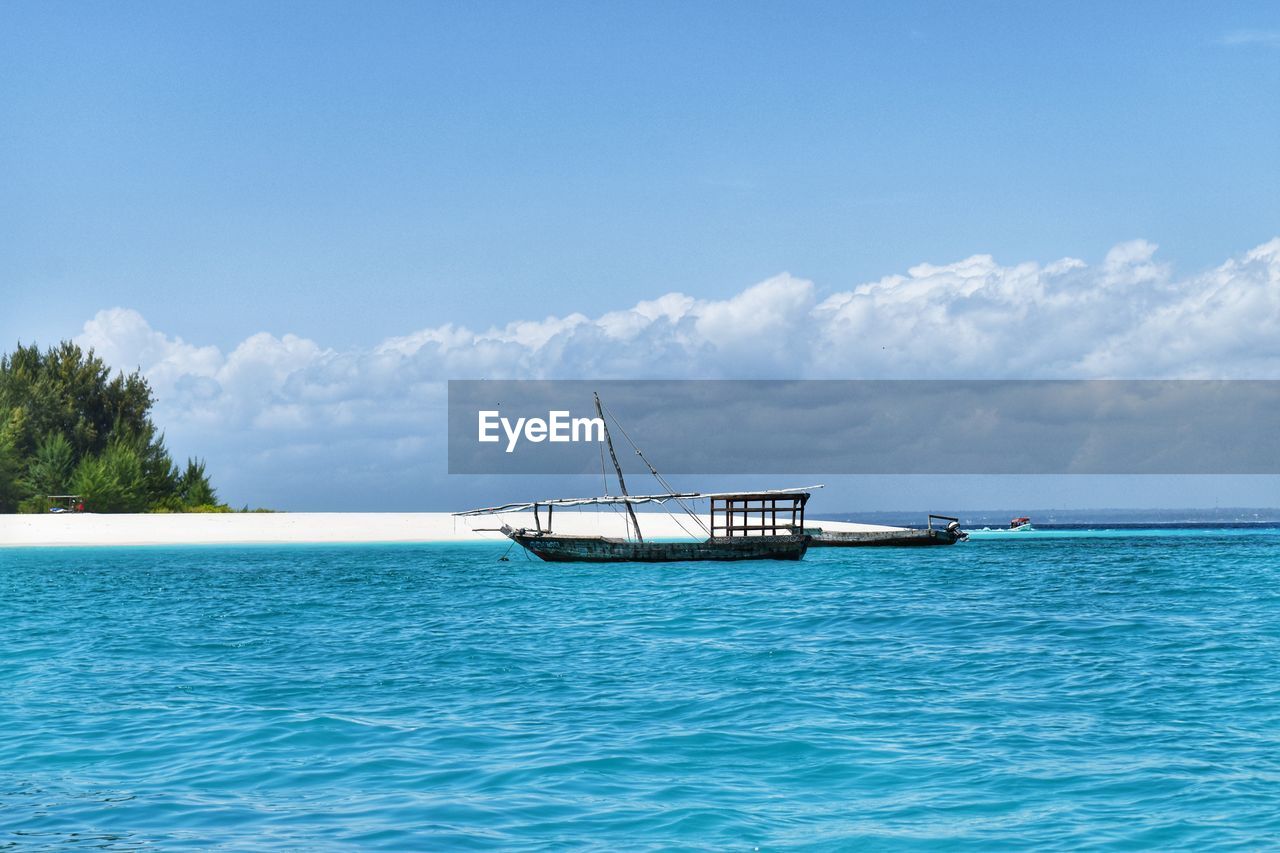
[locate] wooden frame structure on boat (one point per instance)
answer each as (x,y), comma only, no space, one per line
(757,514)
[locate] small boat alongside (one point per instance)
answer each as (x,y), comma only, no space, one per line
(902,537)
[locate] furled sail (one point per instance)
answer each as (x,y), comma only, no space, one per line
(629,499)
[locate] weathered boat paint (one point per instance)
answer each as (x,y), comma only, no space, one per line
(906,538)
(560,548)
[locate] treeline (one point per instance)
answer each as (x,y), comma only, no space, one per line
(68,427)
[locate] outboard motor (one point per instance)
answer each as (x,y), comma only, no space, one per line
(954,529)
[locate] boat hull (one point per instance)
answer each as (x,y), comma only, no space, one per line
(555,548)
(909,538)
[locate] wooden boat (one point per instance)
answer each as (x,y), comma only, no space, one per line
(763,525)
(563,548)
(908,537)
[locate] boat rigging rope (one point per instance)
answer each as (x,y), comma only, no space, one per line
(680,523)
(660,479)
(604,476)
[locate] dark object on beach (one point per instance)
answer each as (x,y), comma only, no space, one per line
(904,537)
(763,525)
(65,503)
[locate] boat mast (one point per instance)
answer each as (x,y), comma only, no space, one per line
(622,484)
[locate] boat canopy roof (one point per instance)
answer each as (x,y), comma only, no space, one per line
(764,494)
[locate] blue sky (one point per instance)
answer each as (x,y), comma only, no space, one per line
(354,173)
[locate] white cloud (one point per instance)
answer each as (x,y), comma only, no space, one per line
(289,398)
(628,324)
(1238,38)
(1222,324)
(124,339)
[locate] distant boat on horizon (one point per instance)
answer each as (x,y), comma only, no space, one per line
(1021,524)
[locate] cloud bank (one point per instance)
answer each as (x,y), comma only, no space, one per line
(289,407)
(1237,38)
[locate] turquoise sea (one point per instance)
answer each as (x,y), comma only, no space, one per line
(1049,691)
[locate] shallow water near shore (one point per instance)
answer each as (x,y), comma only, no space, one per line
(1047,692)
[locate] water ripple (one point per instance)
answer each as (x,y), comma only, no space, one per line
(1103,692)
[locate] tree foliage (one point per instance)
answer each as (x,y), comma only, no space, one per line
(51,466)
(193,485)
(67,426)
(10,467)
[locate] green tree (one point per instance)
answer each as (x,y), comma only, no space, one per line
(10,465)
(70,426)
(113,481)
(93,483)
(125,466)
(49,470)
(64,390)
(160,480)
(194,488)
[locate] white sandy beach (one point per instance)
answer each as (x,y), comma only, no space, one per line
(300,527)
